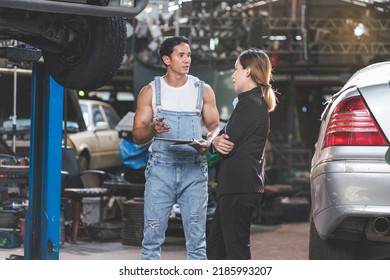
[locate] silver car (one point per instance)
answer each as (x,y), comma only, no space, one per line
(82,41)
(350,172)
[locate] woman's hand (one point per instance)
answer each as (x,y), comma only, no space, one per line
(222,144)
(200,145)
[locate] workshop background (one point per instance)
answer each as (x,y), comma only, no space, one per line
(314,45)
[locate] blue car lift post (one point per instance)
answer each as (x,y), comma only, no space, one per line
(42,221)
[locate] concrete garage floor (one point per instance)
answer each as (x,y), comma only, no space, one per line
(287,241)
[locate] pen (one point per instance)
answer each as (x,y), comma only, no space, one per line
(164,125)
(160,119)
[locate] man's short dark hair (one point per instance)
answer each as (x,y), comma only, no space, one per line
(166,47)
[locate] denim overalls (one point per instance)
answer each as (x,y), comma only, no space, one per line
(176,174)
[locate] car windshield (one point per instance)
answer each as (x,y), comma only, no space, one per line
(112,118)
(84,110)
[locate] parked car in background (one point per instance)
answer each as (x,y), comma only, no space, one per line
(98,146)
(90,130)
(20,139)
(121,98)
(350,171)
(82,42)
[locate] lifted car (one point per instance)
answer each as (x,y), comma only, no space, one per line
(82,41)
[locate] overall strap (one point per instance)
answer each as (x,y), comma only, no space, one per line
(157,86)
(200,85)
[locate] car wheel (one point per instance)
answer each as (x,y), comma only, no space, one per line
(329,249)
(268,212)
(296,208)
(93,55)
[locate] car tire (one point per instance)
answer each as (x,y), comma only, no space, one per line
(296,208)
(93,57)
(268,212)
(329,249)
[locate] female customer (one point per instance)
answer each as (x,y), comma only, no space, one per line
(241,144)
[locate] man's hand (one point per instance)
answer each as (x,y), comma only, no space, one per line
(159,126)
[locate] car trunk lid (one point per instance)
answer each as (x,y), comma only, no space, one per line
(377,98)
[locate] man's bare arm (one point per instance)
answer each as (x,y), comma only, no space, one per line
(210,117)
(210,113)
(143,130)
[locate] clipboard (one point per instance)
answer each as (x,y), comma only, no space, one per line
(177,141)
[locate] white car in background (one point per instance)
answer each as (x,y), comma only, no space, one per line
(90,131)
(98,146)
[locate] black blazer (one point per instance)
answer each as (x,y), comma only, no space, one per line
(242,170)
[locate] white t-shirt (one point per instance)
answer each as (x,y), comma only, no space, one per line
(178,99)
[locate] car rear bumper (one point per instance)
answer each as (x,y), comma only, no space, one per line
(113,9)
(344,189)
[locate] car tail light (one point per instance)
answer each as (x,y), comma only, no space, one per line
(351,124)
